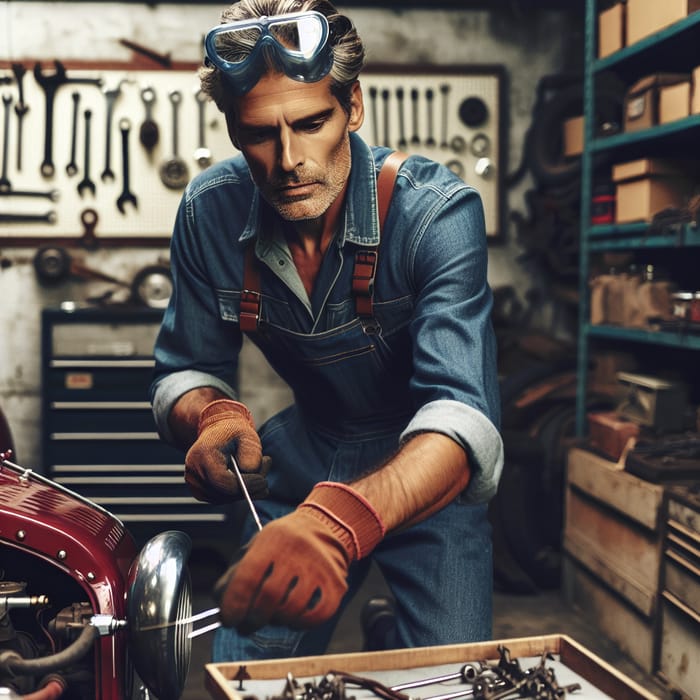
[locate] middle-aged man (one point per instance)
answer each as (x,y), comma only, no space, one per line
(390,451)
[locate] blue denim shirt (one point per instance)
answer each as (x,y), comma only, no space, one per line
(429,365)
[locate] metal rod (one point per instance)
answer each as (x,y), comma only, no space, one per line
(244,489)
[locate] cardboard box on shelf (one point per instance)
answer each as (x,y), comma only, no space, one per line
(611,30)
(695,99)
(645,17)
(641,110)
(573,136)
(647,186)
(674,102)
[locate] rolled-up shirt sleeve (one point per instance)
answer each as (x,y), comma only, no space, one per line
(195,346)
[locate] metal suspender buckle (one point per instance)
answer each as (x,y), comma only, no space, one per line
(363,282)
(250,310)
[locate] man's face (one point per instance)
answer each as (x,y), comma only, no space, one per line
(295,139)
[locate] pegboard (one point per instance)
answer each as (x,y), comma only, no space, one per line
(461,126)
(156,203)
(451,114)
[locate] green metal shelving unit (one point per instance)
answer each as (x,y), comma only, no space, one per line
(674,48)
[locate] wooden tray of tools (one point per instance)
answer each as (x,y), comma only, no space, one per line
(565,663)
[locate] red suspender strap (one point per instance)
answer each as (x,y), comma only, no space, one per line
(366,259)
(250,294)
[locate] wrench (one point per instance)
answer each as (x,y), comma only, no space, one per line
(403,144)
(86,183)
(20,108)
(173,172)
(53,195)
(445,90)
(202,154)
(5,185)
(430,141)
(48,218)
(415,139)
(385,100)
(72,168)
(50,84)
(126,195)
(111,97)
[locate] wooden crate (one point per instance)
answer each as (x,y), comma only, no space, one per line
(613,552)
(220,679)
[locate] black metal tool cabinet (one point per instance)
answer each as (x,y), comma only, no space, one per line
(99,435)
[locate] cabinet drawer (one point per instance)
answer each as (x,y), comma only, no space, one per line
(100,417)
(682,565)
(111,448)
(99,381)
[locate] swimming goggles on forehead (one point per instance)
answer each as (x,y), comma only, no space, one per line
(297,43)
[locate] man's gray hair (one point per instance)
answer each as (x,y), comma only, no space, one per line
(348,50)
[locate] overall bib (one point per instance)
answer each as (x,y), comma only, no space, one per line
(352,401)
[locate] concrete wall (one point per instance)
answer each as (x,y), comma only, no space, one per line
(529,43)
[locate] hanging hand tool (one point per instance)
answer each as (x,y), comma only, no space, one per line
(160,58)
(89,219)
(5,185)
(48,218)
(126,195)
(202,154)
(72,167)
(430,141)
(148,133)
(50,84)
(375,119)
(445,92)
(21,108)
(173,172)
(385,100)
(86,183)
(403,143)
(53,195)
(111,97)
(415,139)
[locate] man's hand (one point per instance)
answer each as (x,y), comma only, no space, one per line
(225,427)
(294,570)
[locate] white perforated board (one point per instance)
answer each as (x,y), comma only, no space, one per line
(454,143)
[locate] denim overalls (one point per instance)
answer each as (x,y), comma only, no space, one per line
(426,363)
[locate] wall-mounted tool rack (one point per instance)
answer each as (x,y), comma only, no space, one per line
(60,181)
(453,114)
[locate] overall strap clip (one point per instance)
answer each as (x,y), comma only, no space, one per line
(366,259)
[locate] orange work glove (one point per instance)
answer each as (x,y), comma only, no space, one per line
(225,427)
(294,570)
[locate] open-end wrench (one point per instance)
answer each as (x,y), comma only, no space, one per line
(86,183)
(126,195)
(202,154)
(50,84)
(48,218)
(72,167)
(20,108)
(111,97)
(5,185)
